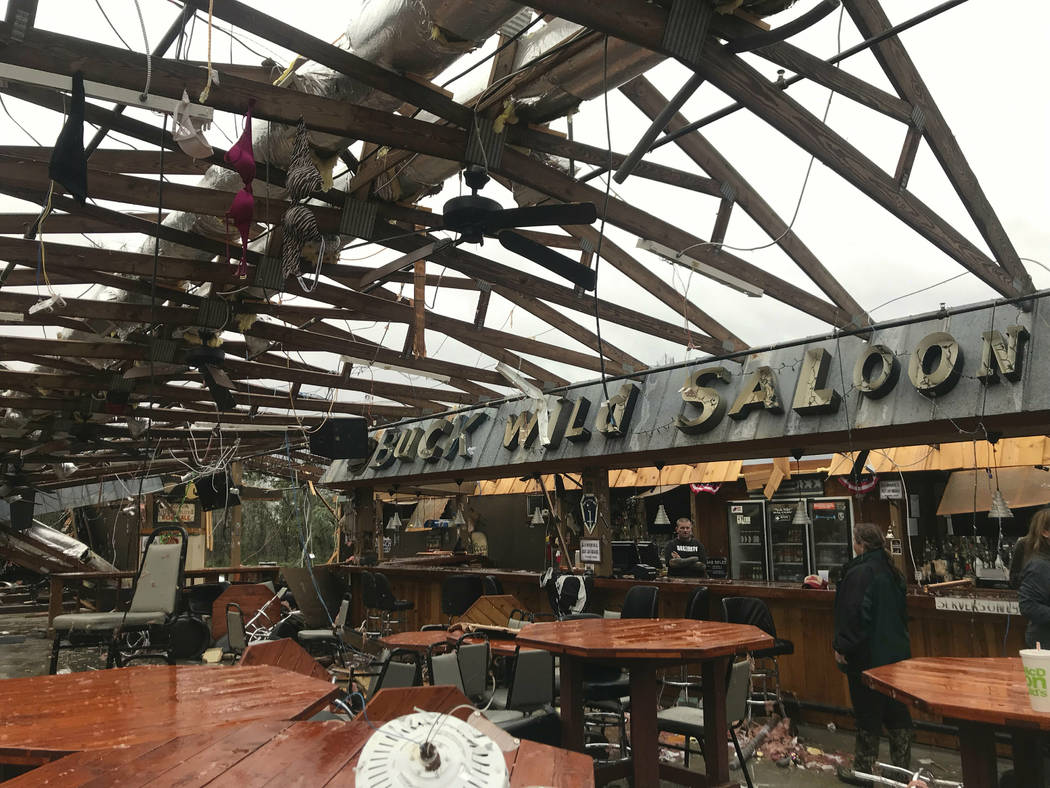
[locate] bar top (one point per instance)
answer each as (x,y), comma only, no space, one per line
(683,585)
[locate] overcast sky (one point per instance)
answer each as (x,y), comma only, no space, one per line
(984,68)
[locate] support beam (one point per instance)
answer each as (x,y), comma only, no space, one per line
(644,95)
(895,61)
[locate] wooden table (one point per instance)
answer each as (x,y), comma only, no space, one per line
(980,696)
(46,717)
(286,753)
(422,641)
(643,645)
(389,704)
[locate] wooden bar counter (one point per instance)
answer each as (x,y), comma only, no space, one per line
(804,616)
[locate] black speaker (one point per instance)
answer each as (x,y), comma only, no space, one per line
(22,510)
(341,439)
(214,492)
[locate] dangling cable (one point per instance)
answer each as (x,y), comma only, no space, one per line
(207,87)
(149,57)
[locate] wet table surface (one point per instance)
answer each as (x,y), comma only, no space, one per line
(641,645)
(287,754)
(45,717)
(980,696)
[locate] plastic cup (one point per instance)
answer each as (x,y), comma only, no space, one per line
(1037,673)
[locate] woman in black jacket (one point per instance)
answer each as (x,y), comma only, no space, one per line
(871,629)
(1034,593)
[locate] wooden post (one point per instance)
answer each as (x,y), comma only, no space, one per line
(363,520)
(236,476)
(597,482)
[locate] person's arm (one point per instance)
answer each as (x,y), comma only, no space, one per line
(1017,564)
(851,634)
(701,566)
(670,552)
(1034,594)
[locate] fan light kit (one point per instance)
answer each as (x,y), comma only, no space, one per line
(430,749)
(364,362)
(668,253)
(100,90)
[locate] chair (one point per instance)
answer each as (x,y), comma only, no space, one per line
(331,639)
(531,687)
(688,721)
(607,689)
(493,585)
(445,669)
(473,660)
(235,636)
(459,592)
(751,610)
(697,606)
(388,604)
(396,673)
(640,602)
(154,606)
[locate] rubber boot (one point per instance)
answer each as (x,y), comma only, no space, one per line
(865,755)
(900,747)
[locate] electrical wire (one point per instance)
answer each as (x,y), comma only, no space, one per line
(601,229)
(112,27)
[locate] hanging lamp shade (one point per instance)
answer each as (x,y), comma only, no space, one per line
(661,516)
(999,509)
(801,514)
(394,523)
(537,517)
(459,519)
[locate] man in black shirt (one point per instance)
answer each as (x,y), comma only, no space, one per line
(684,554)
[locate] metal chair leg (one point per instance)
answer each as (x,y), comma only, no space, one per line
(740,757)
(55,646)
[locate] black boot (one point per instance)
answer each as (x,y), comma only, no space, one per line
(900,747)
(867,752)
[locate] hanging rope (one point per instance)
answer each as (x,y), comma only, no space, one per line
(207,87)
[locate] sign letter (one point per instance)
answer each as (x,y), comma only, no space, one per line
(936,364)
(810,396)
(876,372)
(710,403)
(1002,356)
(759,391)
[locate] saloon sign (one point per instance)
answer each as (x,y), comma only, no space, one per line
(920,381)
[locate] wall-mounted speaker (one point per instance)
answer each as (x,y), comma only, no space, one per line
(341,439)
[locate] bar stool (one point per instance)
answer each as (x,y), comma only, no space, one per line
(751,610)
(387,604)
(493,586)
(373,616)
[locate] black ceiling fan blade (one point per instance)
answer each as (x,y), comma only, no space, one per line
(223,399)
(542,216)
(563,266)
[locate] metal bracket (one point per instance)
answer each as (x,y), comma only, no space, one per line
(918,118)
(269,274)
(213,313)
(727,191)
(162,351)
(358,219)
(686,29)
(484,145)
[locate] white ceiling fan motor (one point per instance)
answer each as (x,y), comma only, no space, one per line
(419,750)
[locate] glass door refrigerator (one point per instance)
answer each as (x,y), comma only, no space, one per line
(832,534)
(747,541)
(788,542)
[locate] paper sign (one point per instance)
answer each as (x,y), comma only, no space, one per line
(590,551)
(961,604)
(891,490)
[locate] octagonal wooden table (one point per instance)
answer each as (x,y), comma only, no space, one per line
(641,646)
(284,753)
(46,717)
(979,695)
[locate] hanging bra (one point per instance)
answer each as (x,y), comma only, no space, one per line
(241,156)
(303,177)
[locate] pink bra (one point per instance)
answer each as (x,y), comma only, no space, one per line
(242,158)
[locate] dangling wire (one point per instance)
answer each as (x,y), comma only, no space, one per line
(207,87)
(149,56)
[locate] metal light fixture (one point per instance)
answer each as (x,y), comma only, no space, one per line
(999,509)
(661,516)
(537,517)
(394,523)
(459,519)
(801,514)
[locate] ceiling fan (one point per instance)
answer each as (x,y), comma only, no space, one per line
(474,217)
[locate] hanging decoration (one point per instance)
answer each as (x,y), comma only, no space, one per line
(299,223)
(589,511)
(241,157)
(705,487)
(861,484)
